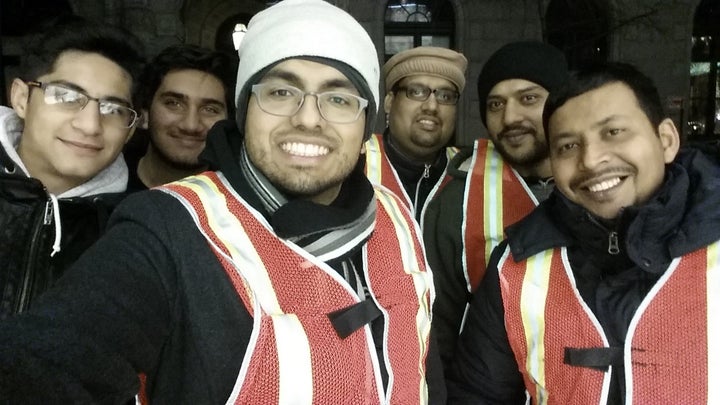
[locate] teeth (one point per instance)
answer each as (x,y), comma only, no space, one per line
(604,185)
(304,149)
(427,122)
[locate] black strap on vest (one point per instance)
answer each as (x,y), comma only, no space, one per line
(348,320)
(599,358)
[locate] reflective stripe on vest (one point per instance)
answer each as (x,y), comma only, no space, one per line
(664,362)
(495,197)
(294,355)
(379,170)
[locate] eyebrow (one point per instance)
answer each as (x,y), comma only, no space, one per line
(419,84)
(112,99)
(518,91)
(182,96)
(295,80)
(595,125)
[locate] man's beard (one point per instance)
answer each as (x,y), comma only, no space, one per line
(176,163)
(537,154)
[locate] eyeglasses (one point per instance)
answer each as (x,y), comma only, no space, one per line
(422,93)
(285,100)
(72,100)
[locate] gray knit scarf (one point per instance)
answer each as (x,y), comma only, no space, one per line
(328,232)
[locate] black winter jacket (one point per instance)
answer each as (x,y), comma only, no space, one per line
(28,232)
(683,216)
(161,305)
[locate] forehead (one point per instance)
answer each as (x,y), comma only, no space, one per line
(434,82)
(192,83)
(507,88)
(308,75)
(96,74)
(608,103)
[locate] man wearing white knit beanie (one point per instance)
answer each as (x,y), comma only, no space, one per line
(281,276)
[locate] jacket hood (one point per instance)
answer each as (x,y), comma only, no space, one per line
(112,179)
(681,217)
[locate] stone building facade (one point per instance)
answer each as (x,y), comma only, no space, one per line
(652,34)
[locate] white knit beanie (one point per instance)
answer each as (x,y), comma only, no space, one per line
(314,28)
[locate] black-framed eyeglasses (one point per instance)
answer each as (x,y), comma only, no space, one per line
(284,100)
(73,100)
(421,93)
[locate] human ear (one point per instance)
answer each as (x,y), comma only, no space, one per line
(143,119)
(669,138)
(19,96)
(387,105)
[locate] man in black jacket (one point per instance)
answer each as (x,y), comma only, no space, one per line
(61,168)
(183,92)
(422,89)
(281,277)
(606,292)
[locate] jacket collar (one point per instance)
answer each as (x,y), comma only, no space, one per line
(112,179)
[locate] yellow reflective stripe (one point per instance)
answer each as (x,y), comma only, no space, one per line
(421,279)
(292,343)
(713,328)
(373,160)
(235,239)
(493,207)
(532,309)
(294,360)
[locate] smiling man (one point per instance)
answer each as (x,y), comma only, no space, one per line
(283,276)
(61,169)
(495,183)
(422,86)
(608,291)
(184,91)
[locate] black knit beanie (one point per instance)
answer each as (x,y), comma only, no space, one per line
(534,61)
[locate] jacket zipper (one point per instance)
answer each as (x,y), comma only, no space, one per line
(613,240)
(425,175)
(29,272)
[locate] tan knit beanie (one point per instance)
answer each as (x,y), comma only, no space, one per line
(426,60)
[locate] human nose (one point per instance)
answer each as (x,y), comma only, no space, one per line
(431,102)
(191,121)
(593,155)
(511,113)
(308,115)
(88,118)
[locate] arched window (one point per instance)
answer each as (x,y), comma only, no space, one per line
(704,103)
(580,28)
(412,23)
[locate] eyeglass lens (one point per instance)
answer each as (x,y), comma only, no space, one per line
(286,100)
(113,113)
(422,93)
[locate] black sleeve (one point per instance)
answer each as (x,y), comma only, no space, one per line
(485,370)
(442,233)
(437,392)
(105,321)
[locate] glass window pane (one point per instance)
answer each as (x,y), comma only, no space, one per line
(435,40)
(699,76)
(406,11)
(397,43)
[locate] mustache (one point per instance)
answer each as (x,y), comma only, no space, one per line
(514,129)
(604,173)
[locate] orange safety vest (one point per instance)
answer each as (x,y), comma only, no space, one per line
(380,171)
(495,197)
(295,354)
(671,354)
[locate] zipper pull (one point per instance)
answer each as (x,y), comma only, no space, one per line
(426,172)
(47,220)
(613,245)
